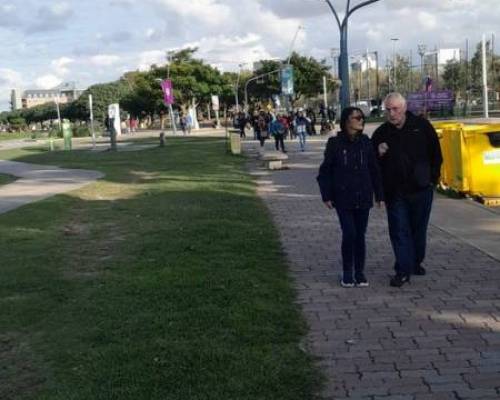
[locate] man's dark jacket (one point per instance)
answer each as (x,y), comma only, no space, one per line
(349,175)
(413,159)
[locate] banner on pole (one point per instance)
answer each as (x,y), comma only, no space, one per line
(215,102)
(168,91)
(287,80)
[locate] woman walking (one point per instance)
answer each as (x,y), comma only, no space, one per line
(348,179)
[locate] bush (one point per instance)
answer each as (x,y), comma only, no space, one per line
(84,131)
(55,132)
(81,131)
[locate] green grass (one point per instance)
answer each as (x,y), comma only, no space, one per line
(164,280)
(6,179)
(21,135)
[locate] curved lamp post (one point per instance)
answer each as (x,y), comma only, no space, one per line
(344,57)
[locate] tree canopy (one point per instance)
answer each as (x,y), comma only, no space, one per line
(194,81)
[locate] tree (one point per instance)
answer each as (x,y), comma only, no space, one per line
(308,76)
(103,94)
(454,77)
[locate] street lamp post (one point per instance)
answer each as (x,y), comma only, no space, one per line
(394,85)
(421,52)
(344,56)
(236,99)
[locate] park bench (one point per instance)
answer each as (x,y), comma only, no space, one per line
(274,159)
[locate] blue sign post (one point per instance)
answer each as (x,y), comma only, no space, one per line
(287,80)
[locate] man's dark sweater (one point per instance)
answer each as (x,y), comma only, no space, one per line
(413,159)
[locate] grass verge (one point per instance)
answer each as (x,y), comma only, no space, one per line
(6,179)
(164,280)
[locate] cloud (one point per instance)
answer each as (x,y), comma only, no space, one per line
(299,8)
(61,64)
(210,12)
(9,78)
(119,36)
(8,16)
(122,3)
(148,58)
(427,20)
(47,81)
(50,18)
(104,60)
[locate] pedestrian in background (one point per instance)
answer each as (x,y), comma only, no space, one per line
(277,130)
(410,160)
(349,179)
(302,128)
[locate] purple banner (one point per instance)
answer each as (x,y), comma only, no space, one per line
(430,101)
(168,91)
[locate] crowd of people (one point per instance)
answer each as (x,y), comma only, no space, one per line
(281,125)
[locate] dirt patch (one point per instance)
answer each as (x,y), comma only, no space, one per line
(89,246)
(19,374)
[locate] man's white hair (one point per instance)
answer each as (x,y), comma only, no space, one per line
(395,96)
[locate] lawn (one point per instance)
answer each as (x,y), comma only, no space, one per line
(163,280)
(5,179)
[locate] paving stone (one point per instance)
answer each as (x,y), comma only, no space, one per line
(425,341)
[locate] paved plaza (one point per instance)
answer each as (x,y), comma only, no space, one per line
(437,338)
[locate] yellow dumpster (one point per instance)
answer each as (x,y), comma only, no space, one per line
(450,139)
(471,158)
(482,143)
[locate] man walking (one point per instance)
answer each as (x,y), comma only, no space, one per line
(410,160)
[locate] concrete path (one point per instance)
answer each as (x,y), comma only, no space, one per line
(437,338)
(39,182)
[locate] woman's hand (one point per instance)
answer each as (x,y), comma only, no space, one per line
(329,204)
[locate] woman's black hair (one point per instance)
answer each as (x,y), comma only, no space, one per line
(346,113)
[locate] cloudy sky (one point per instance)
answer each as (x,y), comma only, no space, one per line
(46,42)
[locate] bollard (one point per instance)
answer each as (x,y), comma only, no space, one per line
(162,139)
(67,134)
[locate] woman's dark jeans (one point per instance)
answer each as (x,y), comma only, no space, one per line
(353,224)
(408,218)
(279,143)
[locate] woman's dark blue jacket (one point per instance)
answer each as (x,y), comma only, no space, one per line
(349,175)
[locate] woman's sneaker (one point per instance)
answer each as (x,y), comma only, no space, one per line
(361,280)
(347,281)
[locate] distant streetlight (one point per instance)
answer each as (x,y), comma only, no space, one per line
(293,43)
(344,55)
(394,40)
(421,52)
(273,71)
(334,53)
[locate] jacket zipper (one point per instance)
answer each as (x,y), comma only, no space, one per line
(345,157)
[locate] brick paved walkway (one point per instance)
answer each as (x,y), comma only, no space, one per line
(438,338)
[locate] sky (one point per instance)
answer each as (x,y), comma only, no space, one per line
(47,42)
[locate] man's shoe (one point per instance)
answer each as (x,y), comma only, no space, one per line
(399,280)
(347,281)
(419,270)
(361,280)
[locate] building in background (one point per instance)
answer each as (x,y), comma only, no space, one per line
(435,61)
(15,99)
(64,93)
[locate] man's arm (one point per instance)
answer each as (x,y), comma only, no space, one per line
(435,155)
